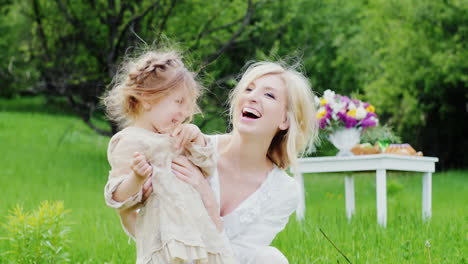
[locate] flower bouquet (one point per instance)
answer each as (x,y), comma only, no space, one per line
(344,119)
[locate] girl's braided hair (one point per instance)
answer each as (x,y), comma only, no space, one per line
(148,77)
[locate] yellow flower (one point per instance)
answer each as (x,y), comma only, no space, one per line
(321,114)
(370,108)
(323,101)
(352,113)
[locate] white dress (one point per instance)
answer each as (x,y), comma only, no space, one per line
(254,224)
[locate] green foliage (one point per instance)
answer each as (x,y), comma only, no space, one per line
(323,145)
(410,61)
(38,237)
(374,134)
(18,70)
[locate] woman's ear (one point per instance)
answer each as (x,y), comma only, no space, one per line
(285,124)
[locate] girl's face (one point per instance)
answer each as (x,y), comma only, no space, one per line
(261,107)
(169,112)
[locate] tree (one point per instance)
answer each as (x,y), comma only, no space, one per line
(79,44)
(410,57)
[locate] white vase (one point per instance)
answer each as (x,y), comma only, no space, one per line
(344,140)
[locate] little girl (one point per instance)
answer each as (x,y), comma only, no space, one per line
(152,95)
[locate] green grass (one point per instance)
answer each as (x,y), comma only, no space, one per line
(56,157)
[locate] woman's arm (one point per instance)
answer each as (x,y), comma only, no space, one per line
(186,171)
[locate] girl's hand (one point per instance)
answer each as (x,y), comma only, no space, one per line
(187,133)
(141,166)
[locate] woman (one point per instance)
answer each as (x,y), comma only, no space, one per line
(273,116)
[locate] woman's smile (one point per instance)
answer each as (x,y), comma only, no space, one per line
(249,114)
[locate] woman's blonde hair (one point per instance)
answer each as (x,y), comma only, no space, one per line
(148,77)
(288,144)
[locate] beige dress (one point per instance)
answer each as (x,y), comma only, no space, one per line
(173,226)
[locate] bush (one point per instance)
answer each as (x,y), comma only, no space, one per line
(38,237)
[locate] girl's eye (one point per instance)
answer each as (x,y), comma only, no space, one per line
(248,89)
(272,96)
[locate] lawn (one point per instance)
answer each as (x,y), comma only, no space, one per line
(56,157)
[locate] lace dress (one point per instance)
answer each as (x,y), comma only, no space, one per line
(254,224)
(173,226)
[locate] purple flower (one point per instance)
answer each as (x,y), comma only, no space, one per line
(368,122)
(350,122)
(345,99)
(356,102)
(342,116)
(323,123)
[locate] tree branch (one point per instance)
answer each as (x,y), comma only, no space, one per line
(245,22)
(85,113)
(113,53)
(204,30)
(162,25)
(42,36)
(68,16)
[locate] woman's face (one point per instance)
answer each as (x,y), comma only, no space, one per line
(261,108)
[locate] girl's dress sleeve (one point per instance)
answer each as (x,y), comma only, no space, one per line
(203,156)
(120,152)
(260,231)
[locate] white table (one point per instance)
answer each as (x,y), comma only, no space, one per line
(379,163)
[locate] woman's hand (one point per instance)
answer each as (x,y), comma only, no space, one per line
(186,171)
(147,189)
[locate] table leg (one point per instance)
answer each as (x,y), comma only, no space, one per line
(349,194)
(427,196)
(381,188)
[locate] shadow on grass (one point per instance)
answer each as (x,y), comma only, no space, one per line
(36,104)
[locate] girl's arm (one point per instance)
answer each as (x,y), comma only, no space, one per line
(188,172)
(141,170)
(129,216)
(128,219)
(128,171)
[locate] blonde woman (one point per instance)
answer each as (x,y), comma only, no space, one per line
(273,116)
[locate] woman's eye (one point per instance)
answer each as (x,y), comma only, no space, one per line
(272,96)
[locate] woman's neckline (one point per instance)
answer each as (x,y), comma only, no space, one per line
(250,196)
